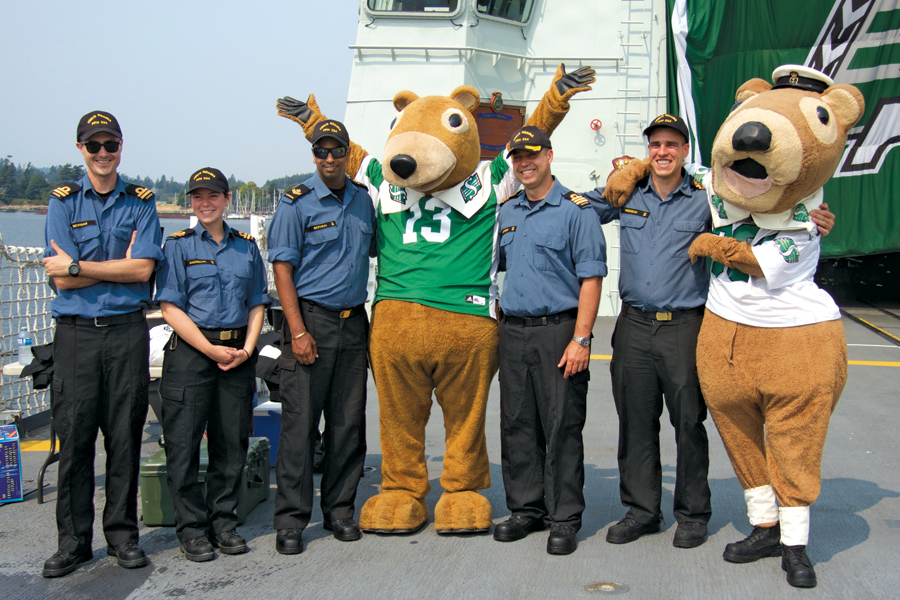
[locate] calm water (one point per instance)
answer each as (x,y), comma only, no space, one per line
(27,229)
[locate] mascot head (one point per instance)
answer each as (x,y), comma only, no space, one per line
(781,144)
(433,144)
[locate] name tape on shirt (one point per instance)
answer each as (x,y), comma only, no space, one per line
(320,226)
(634,211)
(479,300)
(81,224)
(199,261)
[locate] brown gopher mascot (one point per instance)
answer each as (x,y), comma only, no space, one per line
(771,355)
(434,327)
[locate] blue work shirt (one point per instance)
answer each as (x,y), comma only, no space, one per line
(328,242)
(215,284)
(656,273)
(546,251)
(88,229)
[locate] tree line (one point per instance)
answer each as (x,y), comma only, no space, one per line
(30,185)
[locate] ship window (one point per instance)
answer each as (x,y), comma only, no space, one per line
(513,10)
(426,6)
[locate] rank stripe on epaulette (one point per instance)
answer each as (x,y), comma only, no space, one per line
(513,196)
(580,201)
(359,183)
(181,234)
(143,193)
(297,192)
(81,224)
(199,261)
(634,211)
(246,236)
(509,229)
(66,190)
(696,184)
(320,226)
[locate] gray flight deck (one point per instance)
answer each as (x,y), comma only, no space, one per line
(855,539)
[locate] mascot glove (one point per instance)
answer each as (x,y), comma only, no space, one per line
(704,245)
(306,114)
(621,182)
(569,84)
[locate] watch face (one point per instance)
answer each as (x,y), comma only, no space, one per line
(74,269)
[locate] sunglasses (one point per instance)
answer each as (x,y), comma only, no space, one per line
(322,153)
(94,147)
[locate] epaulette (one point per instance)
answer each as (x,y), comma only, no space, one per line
(141,192)
(359,184)
(297,192)
(181,234)
(241,234)
(66,189)
(519,193)
(696,184)
(580,201)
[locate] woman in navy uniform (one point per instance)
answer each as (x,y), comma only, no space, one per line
(212,291)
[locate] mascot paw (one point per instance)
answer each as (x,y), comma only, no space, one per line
(462,512)
(393,512)
(703,246)
(622,182)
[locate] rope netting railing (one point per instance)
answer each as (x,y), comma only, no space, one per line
(24,302)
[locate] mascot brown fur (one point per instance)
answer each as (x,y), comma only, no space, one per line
(771,356)
(421,342)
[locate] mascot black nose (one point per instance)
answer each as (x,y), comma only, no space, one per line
(752,137)
(403,165)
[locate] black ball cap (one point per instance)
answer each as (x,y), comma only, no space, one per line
(333,129)
(95,122)
(528,138)
(208,178)
(670,121)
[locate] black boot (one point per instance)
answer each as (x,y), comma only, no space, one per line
(762,543)
(800,572)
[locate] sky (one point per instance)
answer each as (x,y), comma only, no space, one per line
(192,83)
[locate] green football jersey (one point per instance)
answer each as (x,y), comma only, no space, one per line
(440,250)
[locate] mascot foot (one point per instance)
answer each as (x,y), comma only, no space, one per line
(462,512)
(393,512)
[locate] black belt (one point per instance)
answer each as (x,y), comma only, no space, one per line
(224,335)
(132,317)
(567,315)
(337,314)
(663,316)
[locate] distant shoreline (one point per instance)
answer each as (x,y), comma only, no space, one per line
(42,209)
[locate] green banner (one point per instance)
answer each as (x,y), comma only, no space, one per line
(717,45)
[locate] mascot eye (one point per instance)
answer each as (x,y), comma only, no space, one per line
(819,120)
(396,120)
(454,120)
(735,107)
(393,122)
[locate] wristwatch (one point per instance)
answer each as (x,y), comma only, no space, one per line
(74,268)
(584,342)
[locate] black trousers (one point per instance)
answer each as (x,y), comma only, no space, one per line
(335,384)
(100,382)
(542,416)
(655,360)
(198,396)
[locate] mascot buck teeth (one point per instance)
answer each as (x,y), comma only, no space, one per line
(434,327)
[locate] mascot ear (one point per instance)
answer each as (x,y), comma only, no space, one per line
(467,96)
(404,99)
(847,103)
(752,88)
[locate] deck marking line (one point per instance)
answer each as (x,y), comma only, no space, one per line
(873,363)
(37,446)
(879,329)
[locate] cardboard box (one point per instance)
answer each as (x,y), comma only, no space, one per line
(157,507)
(10,465)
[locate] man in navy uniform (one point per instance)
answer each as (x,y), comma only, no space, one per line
(320,241)
(554,255)
(103,244)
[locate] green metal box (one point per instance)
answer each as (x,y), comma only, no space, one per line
(156,502)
